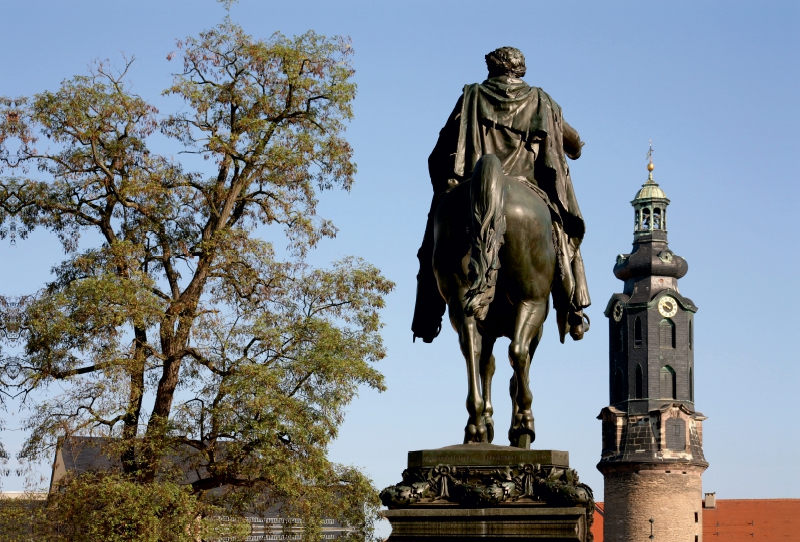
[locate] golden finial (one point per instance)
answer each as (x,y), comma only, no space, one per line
(650,166)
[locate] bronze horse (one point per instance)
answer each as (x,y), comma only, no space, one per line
(494,261)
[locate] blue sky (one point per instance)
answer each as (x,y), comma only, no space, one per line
(713,84)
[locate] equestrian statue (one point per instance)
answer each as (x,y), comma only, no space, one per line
(503,235)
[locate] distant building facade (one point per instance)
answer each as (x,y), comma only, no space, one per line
(652,454)
(736,520)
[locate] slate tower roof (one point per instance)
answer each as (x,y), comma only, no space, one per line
(651,324)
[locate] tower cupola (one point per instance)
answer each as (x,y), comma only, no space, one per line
(651,266)
(650,211)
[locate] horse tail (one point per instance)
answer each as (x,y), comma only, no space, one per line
(487,196)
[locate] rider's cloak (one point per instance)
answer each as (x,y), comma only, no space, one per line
(524,127)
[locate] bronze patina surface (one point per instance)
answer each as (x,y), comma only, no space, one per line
(486,455)
(503,233)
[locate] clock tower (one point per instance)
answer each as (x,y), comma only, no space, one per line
(652,456)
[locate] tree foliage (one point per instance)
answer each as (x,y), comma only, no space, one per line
(110,507)
(172,325)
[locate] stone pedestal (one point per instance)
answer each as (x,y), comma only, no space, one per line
(487,492)
(484,524)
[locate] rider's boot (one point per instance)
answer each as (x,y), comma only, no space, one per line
(578,322)
(576,325)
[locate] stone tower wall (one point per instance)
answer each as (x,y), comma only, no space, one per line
(634,493)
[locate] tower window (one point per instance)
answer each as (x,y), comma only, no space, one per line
(645,219)
(667,382)
(616,336)
(639,382)
(691,334)
(637,332)
(666,331)
(691,384)
(636,225)
(656,218)
(676,434)
(619,394)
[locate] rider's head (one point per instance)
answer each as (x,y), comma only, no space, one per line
(506,61)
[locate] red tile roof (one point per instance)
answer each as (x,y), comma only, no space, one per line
(739,520)
(597,525)
(752,519)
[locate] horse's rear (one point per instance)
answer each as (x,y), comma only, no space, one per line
(494,261)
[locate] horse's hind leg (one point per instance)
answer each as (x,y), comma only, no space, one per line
(512,390)
(530,317)
(470,341)
(487,372)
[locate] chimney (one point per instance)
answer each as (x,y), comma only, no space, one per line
(711,500)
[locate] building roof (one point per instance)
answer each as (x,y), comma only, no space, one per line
(650,189)
(81,454)
(737,520)
(734,520)
(599,519)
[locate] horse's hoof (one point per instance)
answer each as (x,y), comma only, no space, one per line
(521,439)
(475,433)
(523,431)
(489,422)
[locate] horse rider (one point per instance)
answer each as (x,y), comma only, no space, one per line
(524,127)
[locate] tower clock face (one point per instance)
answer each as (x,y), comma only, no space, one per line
(616,312)
(667,306)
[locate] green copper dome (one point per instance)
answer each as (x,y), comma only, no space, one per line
(650,189)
